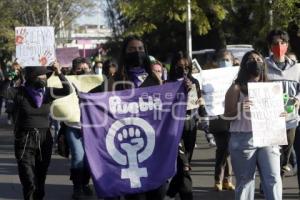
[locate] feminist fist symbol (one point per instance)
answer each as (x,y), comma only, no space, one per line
(43,59)
(20,36)
(136,137)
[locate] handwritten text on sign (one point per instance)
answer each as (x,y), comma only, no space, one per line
(268,127)
(35,46)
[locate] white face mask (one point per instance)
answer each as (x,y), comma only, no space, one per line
(98,70)
(224,63)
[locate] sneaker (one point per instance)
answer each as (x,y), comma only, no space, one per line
(218,187)
(228,186)
(87,190)
(286,168)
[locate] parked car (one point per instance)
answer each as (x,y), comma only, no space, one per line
(206,57)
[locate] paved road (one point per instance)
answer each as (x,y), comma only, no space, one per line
(58,185)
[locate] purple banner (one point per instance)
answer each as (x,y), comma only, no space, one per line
(87,53)
(65,55)
(131,137)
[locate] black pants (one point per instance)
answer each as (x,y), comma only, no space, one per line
(182,182)
(297,151)
(223,168)
(189,136)
(33,149)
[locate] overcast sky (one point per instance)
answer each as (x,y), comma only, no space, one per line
(98,18)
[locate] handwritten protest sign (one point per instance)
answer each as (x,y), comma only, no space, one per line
(67,108)
(214,85)
(268,127)
(35,46)
(196,68)
(65,55)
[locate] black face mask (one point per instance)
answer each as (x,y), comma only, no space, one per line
(255,68)
(39,83)
(181,72)
(135,59)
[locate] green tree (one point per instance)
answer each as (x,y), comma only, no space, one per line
(215,22)
(162,23)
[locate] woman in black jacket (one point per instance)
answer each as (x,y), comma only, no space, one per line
(33,140)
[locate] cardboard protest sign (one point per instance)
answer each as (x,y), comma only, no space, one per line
(67,108)
(65,55)
(196,68)
(35,46)
(268,127)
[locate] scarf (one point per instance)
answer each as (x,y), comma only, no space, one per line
(37,95)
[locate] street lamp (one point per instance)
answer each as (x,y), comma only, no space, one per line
(271,14)
(47,13)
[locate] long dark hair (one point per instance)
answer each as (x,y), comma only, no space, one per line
(176,57)
(243,76)
(106,65)
(122,73)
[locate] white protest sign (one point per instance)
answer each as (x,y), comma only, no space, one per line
(35,46)
(214,85)
(268,127)
(196,68)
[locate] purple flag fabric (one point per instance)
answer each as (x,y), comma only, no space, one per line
(131,137)
(37,95)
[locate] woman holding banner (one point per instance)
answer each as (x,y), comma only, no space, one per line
(33,140)
(134,71)
(181,69)
(244,155)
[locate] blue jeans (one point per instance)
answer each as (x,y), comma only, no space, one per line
(245,157)
(75,142)
(297,151)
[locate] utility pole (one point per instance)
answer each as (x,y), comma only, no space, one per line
(271,14)
(189,30)
(47,13)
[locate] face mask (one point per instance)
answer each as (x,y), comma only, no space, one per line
(254,68)
(135,59)
(279,50)
(98,70)
(225,63)
(40,83)
(137,75)
(37,95)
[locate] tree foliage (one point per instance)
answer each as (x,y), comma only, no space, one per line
(144,16)
(215,23)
